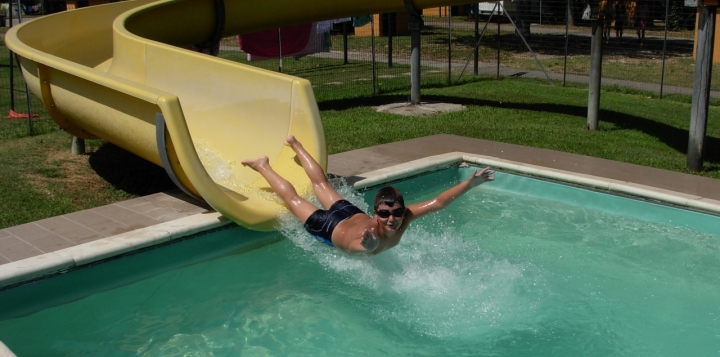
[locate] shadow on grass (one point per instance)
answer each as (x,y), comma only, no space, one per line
(128,172)
(673,137)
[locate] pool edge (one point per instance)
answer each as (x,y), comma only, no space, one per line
(412,168)
(51,263)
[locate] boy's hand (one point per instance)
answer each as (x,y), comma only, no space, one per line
(478,178)
(370,240)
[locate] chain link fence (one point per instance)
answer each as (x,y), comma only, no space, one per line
(648,45)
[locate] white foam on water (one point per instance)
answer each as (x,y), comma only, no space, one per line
(439,283)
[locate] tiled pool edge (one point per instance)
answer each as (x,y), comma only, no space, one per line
(83,254)
(416,167)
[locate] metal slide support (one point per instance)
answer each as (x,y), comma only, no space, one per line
(77,146)
(414,25)
(160,135)
(279,49)
(701,87)
(595,75)
(209,46)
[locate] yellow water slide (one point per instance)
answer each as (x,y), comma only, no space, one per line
(120,72)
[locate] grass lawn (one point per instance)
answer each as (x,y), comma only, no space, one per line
(40,178)
(633,128)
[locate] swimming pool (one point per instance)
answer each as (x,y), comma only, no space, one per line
(516,267)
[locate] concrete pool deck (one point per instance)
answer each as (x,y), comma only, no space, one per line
(155,213)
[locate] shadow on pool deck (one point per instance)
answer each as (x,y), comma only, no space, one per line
(55,233)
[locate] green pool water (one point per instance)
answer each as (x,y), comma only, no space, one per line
(517,267)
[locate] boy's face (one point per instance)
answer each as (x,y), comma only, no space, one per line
(390,217)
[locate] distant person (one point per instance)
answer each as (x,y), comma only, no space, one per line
(608,14)
(620,17)
(640,20)
(345,226)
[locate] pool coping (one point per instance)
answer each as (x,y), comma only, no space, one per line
(437,162)
(39,266)
(36,267)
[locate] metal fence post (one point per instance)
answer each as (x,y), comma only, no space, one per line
(391,32)
(497,67)
(12,66)
(374,66)
(27,90)
(449,49)
(567,39)
(476,52)
(345,43)
(662,74)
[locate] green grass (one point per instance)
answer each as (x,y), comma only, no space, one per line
(40,178)
(633,128)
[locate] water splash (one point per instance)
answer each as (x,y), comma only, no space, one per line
(436,282)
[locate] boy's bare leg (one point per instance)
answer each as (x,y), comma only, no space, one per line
(301,208)
(325,193)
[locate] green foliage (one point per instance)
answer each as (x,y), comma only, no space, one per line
(681,17)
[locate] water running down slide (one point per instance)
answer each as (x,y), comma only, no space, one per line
(119,72)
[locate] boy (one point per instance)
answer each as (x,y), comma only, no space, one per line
(342,224)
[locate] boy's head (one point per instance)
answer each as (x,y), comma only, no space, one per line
(388,195)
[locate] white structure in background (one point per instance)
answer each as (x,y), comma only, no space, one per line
(486,8)
(538,11)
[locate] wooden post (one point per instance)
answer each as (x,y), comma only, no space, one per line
(701,87)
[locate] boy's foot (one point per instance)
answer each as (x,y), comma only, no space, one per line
(257,163)
(291,141)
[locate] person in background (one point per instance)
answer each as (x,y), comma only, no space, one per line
(608,14)
(620,15)
(640,20)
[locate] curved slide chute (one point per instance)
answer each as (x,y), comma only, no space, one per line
(119,72)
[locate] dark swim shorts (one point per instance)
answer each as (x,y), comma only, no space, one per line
(322,223)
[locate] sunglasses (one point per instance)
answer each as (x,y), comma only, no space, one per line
(397,213)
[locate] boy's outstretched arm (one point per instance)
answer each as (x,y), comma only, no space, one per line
(365,244)
(448,196)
